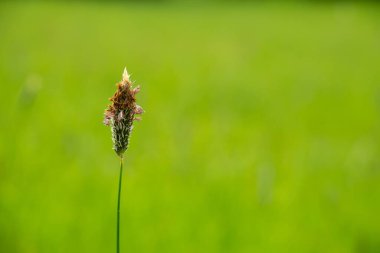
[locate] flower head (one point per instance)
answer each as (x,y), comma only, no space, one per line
(120,114)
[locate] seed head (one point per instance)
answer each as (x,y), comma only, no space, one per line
(120,114)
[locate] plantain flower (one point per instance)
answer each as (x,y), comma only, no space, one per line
(121,113)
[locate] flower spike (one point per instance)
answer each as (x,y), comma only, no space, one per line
(120,114)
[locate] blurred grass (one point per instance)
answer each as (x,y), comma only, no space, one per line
(261,131)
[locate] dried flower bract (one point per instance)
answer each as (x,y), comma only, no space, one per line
(121,113)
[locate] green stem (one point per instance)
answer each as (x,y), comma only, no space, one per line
(118,208)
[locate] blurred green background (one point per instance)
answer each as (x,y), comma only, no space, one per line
(261,131)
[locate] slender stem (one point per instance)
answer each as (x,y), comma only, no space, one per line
(118,208)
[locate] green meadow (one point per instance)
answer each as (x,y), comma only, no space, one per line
(261,130)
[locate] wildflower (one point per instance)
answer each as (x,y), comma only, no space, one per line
(121,113)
